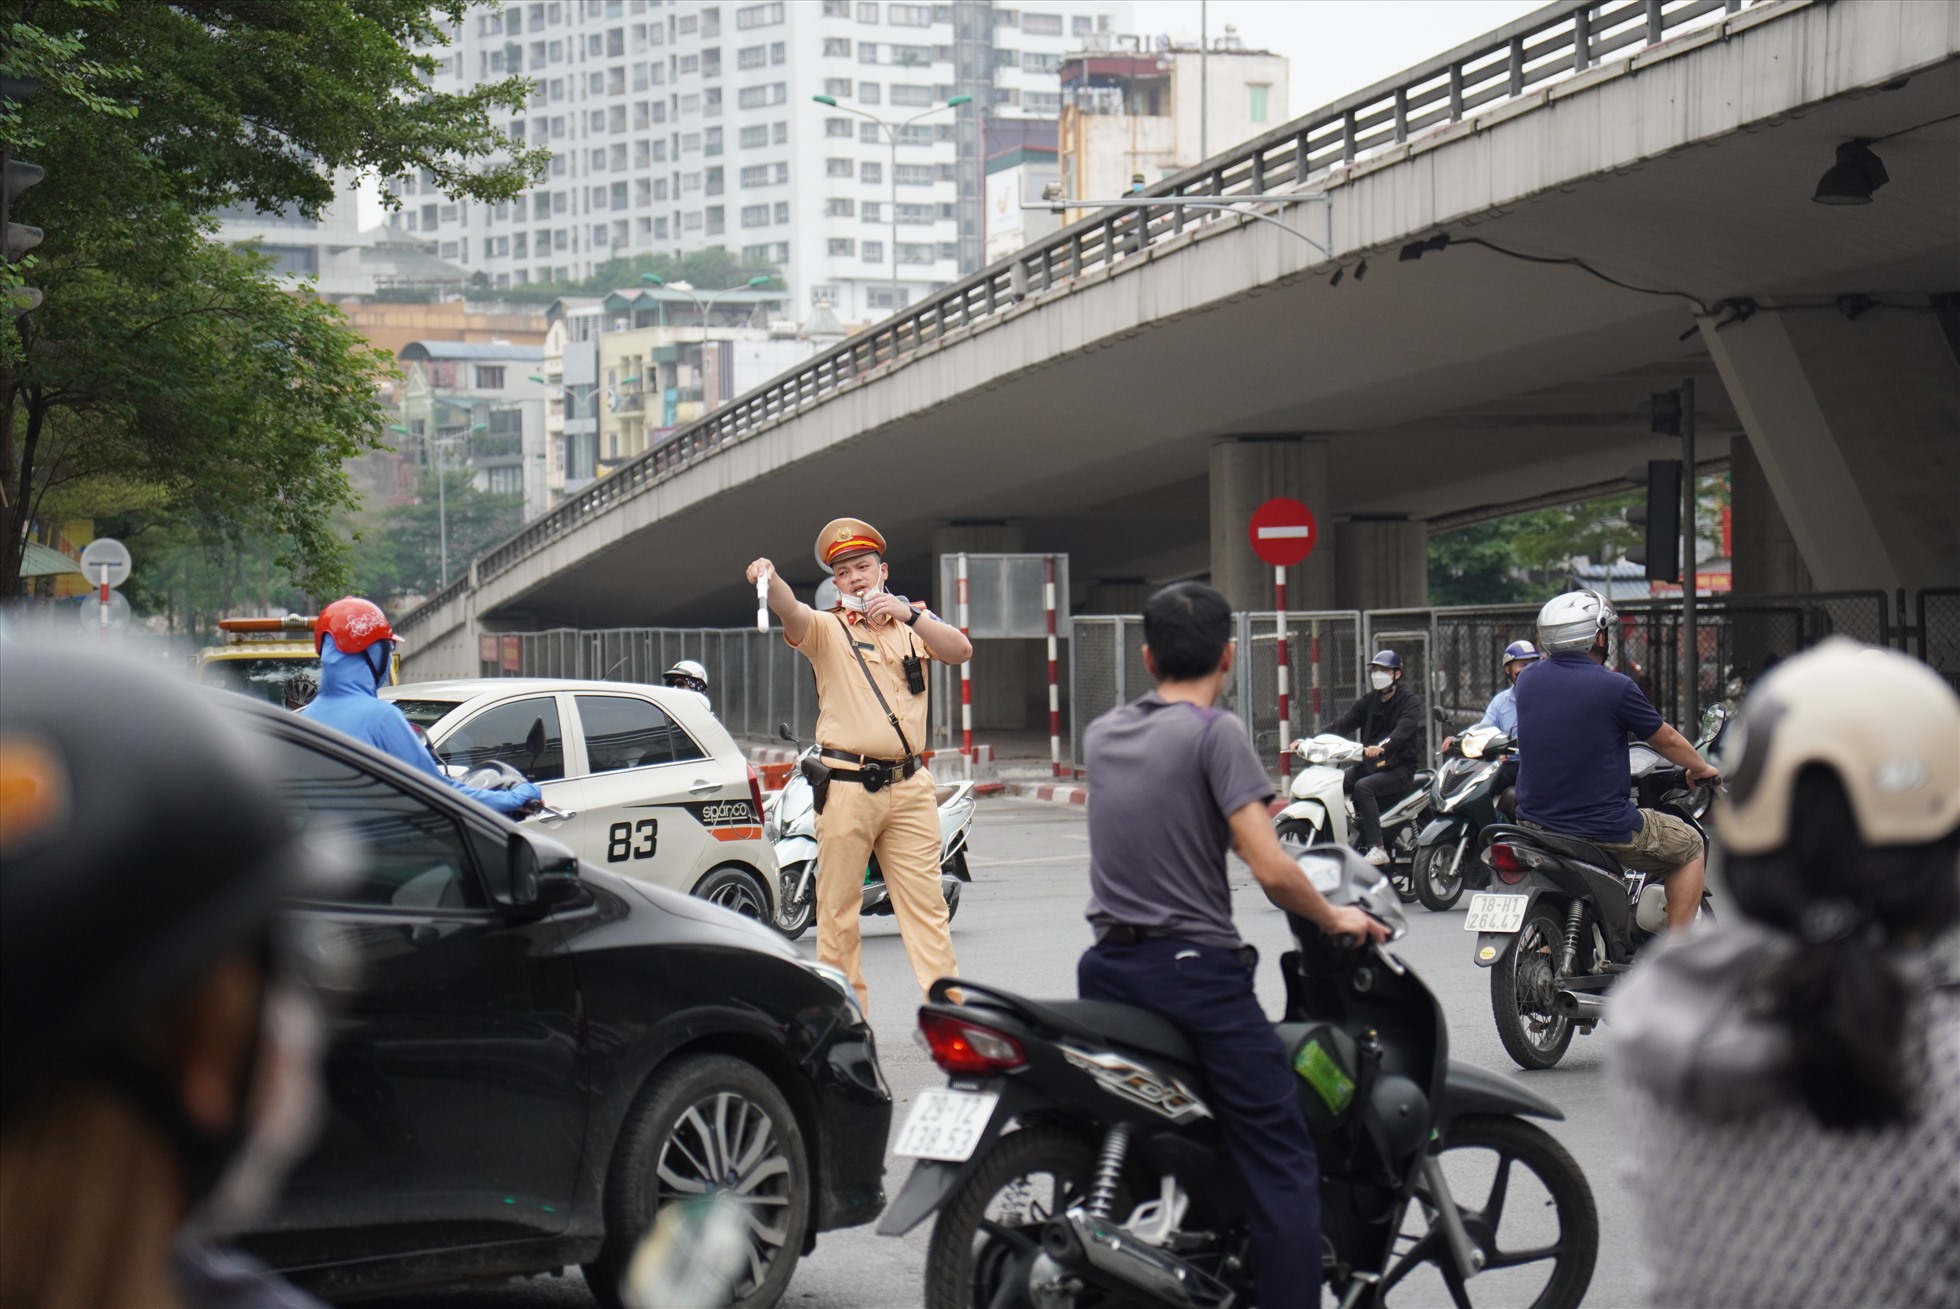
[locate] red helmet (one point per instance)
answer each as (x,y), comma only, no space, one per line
(353,623)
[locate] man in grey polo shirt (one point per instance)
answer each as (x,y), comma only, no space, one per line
(1174,785)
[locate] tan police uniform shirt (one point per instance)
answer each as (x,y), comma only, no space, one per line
(848,715)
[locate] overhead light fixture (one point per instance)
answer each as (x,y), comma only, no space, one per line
(1852,179)
(1417,249)
(1361,270)
(1339,273)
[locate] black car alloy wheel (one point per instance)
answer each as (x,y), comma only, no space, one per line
(710,1125)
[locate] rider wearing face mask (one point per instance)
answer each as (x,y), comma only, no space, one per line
(162,1039)
(355,645)
(1388,723)
(1790,1078)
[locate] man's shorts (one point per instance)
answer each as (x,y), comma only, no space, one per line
(1664,844)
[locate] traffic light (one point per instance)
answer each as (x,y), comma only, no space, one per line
(18,176)
(1661,516)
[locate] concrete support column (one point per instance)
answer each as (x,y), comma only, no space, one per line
(1005,685)
(1381,563)
(1246,471)
(1852,423)
(1767,561)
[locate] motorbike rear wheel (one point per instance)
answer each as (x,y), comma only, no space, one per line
(1439,886)
(1522,990)
(987,1237)
(1511,1225)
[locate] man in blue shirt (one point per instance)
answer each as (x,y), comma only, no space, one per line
(1177,784)
(1574,719)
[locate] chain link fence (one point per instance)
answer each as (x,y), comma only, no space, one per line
(754,680)
(1938,629)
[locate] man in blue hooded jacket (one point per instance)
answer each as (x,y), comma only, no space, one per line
(355,643)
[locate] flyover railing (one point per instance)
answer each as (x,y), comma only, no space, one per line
(1556,41)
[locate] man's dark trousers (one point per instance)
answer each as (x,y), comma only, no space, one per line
(1372,788)
(1207,993)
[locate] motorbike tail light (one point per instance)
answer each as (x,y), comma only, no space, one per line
(966,1049)
(755,791)
(1505,861)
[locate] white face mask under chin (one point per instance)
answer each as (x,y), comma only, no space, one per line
(1380,681)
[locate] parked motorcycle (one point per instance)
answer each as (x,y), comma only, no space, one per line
(1321,812)
(790,823)
(1568,919)
(1463,799)
(1116,1187)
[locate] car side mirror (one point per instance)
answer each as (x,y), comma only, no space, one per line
(542,872)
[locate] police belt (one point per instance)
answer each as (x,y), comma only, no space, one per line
(872,774)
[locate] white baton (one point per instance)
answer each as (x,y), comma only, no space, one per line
(762,602)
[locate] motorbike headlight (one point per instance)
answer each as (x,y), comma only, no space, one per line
(1472,749)
(1316,756)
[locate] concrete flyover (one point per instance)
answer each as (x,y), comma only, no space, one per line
(1127,395)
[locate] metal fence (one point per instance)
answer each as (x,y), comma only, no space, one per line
(754,679)
(1520,58)
(1937,631)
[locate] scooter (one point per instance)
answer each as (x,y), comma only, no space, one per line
(1564,919)
(1072,1158)
(1321,812)
(1463,799)
(789,821)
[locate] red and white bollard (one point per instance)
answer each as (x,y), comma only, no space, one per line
(1054,675)
(1285,698)
(966,669)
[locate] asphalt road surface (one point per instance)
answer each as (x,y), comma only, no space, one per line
(1020,924)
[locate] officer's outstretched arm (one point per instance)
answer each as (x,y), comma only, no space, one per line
(1285,885)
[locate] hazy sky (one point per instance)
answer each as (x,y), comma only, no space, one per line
(1336,46)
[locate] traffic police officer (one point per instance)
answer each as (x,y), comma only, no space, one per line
(868,655)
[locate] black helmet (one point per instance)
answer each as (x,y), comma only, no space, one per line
(140,840)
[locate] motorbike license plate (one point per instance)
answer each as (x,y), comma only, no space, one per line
(945,1125)
(1495,913)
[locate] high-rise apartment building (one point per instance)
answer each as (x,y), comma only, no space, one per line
(678,125)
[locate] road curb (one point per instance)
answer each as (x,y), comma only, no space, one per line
(1049,792)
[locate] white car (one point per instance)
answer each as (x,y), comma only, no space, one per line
(649,783)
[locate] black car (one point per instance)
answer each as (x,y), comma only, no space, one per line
(532,1056)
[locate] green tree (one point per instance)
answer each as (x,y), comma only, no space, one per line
(1475,566)
(158,357)
(713,269)
(399,549)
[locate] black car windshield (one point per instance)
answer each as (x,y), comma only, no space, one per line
(263,678)
(425,713)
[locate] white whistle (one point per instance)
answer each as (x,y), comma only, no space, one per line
(762,602)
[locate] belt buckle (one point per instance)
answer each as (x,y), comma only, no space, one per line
(876,776)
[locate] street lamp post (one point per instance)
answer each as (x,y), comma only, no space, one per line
(755,283)
(891,131)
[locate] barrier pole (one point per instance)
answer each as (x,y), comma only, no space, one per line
(1285,699)
(966,669)
(1054,675)
(1313,657)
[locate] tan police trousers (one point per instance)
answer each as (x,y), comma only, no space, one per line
(901,823)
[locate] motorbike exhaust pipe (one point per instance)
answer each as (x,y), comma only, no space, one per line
(1579,1006)
(1106,1251)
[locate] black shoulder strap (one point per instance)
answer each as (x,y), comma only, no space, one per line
(872,682)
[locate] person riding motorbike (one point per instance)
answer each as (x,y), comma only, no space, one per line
(1575,716)
(355,644)
(162,1034)
(1502,713)
(1791,1079)
(1387,720)
(687,675)
(1178,785)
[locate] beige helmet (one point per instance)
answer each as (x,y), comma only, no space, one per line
(1885,723)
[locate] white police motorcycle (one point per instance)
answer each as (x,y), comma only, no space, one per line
(789,821)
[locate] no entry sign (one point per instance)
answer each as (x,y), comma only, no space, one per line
(1283,531)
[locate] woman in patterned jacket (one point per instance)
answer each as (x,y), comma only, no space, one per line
(1791,1081)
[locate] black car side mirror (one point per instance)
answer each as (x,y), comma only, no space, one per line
(542,872)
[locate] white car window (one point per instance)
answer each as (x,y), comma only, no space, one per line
(627,732)
(524,734)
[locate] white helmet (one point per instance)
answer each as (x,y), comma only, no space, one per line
(1570,621)
(1884,722)
(688,675)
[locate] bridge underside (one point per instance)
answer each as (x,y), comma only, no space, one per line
(1466,379)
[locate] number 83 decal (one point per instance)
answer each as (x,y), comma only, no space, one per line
(622,845)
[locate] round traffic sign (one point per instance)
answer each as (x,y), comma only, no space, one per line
(105,553)
(91,615)
(1283,531)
